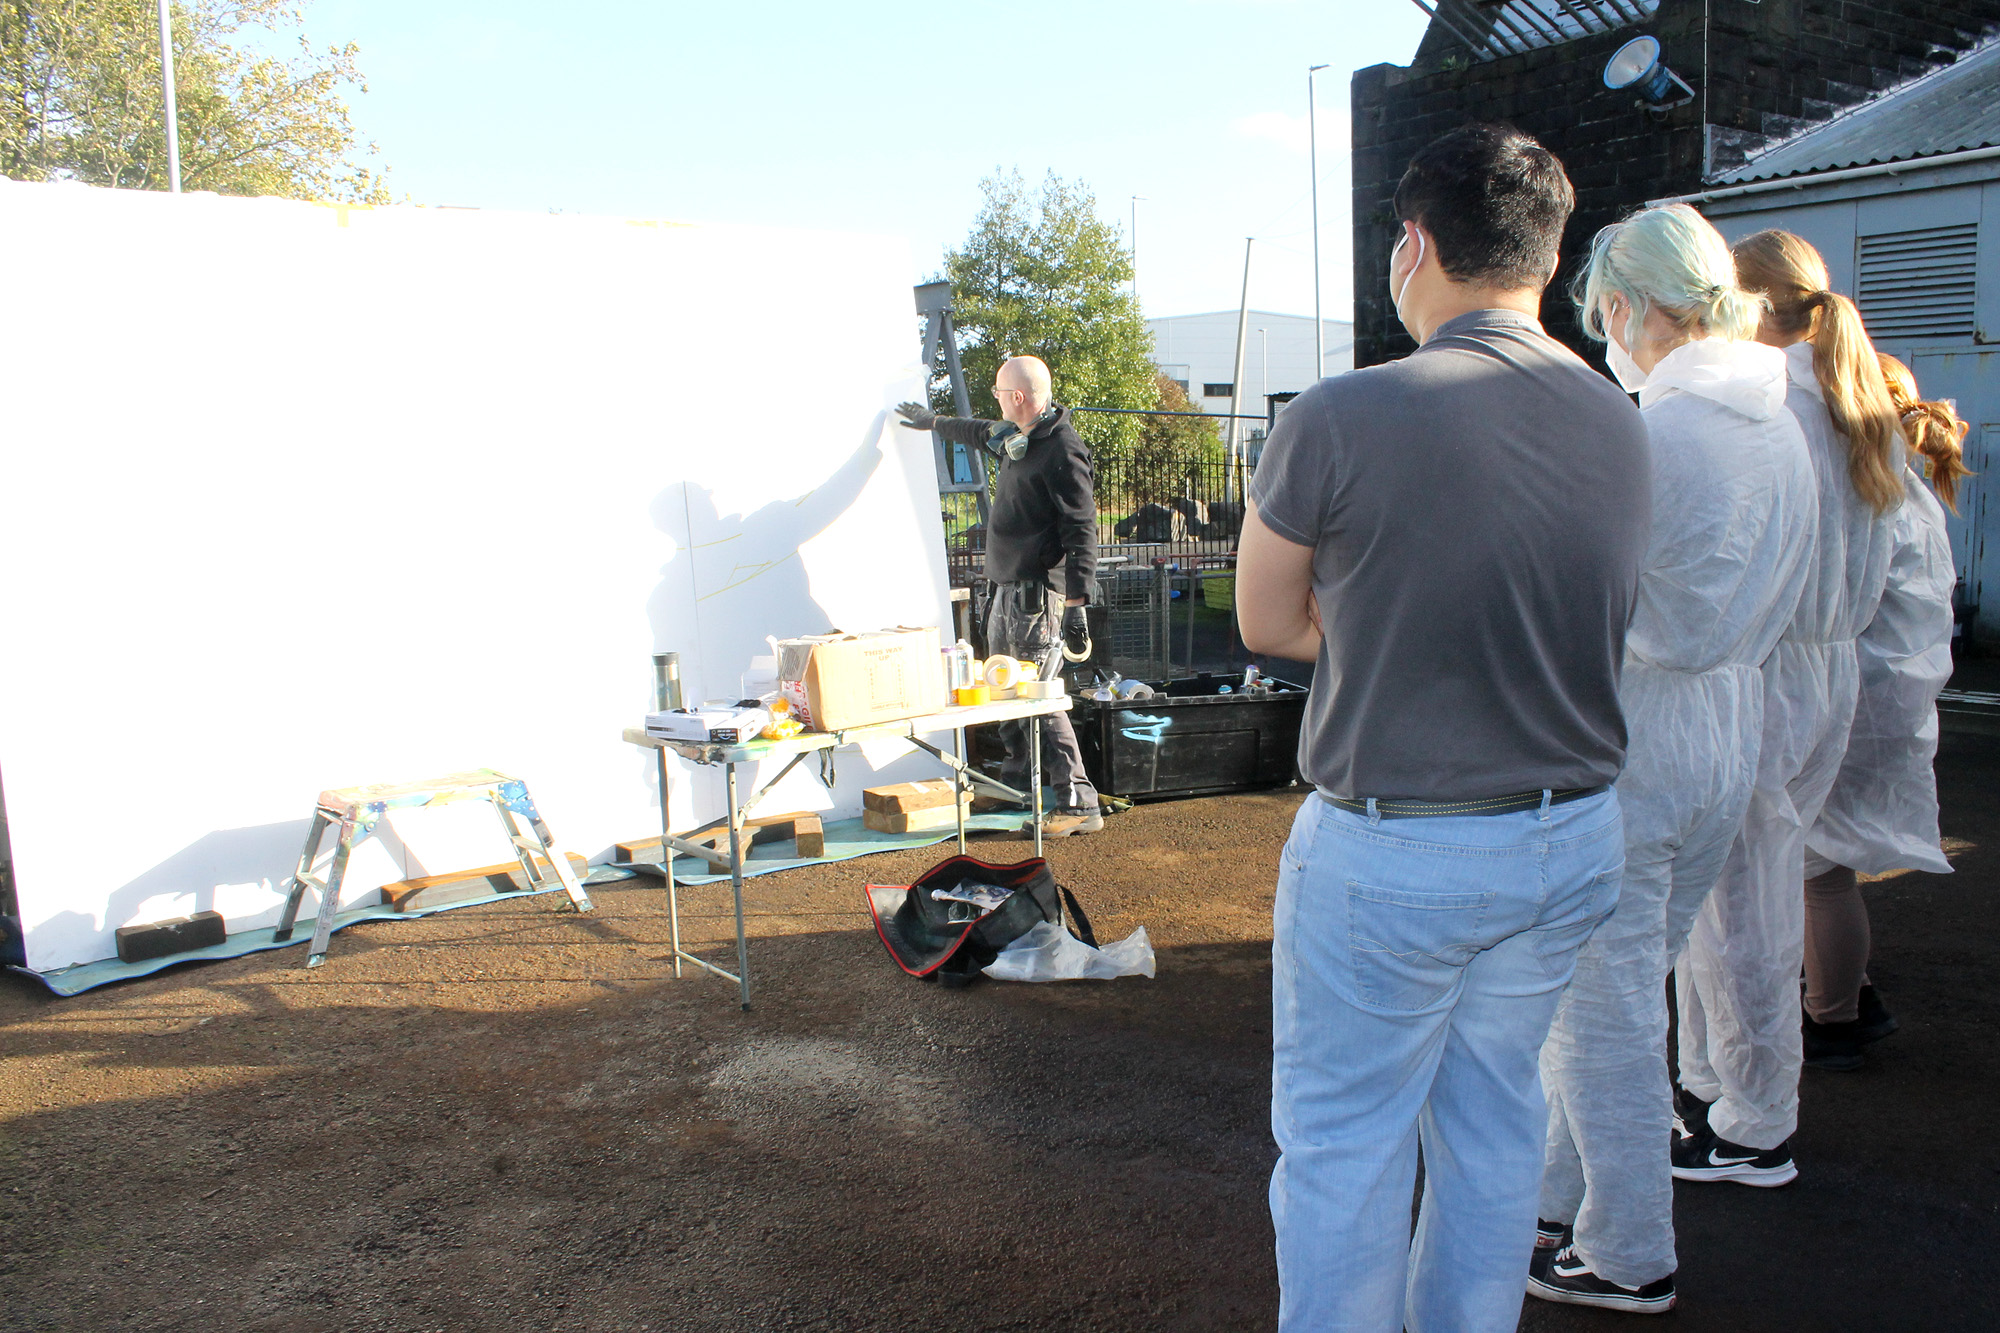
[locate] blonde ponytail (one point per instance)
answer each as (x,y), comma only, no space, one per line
(1732,312)
(1793,277)
(1933,430)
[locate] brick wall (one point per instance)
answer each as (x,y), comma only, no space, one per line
(1760,71)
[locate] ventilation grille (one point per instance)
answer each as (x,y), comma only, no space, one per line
(1919,284)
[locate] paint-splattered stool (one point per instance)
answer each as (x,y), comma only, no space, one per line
(358,809)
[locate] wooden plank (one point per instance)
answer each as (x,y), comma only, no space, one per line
(799,826)
(914,821)
(427,891)
(904,798)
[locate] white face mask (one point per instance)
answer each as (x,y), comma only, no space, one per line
(1397,300)
(1623,368)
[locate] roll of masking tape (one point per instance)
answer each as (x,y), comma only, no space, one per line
(1042,689)
(968,695)
(1003,673)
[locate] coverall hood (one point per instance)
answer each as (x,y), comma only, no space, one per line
(1747,377)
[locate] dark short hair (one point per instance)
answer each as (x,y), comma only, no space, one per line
(1494,200)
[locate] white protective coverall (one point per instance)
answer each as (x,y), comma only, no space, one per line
(1735,512)
(1740,1041)
(1882,813)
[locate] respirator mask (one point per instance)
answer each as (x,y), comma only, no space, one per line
(1623,368)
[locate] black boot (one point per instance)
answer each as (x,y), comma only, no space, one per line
(1832,1045)
(1873,1021)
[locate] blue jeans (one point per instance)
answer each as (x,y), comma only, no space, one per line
(1416,966)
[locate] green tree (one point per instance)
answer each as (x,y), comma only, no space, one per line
(80,99)
(1165,439)
(1042,275)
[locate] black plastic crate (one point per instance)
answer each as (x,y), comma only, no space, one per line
(1191,739)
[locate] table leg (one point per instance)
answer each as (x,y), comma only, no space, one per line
(667,858)
(959,784)
(736,885)
(1035,782)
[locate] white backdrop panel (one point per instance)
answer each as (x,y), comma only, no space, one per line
(301,497)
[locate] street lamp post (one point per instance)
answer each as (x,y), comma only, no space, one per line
(1137,199)
(167,85)
(1312,132)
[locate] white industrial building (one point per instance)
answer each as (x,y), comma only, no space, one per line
(1200,352)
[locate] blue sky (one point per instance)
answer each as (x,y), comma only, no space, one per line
(883,117)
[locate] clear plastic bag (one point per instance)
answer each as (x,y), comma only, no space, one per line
(1050,953)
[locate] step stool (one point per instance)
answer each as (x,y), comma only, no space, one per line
(358,809)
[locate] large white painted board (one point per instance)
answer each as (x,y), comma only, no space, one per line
(298,497)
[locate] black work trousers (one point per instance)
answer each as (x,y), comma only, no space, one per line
(1024,620)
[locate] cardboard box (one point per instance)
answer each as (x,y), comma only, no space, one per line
(856,679)
(916,821)
(907,797)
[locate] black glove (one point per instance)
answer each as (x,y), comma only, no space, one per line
(916,416)
(1076,633)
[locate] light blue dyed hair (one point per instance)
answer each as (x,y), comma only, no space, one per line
(1671,260)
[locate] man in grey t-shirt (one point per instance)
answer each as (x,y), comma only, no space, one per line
(1457,538)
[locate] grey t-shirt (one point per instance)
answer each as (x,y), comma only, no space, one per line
(1479,514)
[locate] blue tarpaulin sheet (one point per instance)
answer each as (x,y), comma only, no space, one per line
(845,840)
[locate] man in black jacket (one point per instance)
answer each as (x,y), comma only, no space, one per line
(1043,519)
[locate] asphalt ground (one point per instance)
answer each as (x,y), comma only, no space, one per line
(511,1117)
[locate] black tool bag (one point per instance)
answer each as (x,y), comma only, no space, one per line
(948,941)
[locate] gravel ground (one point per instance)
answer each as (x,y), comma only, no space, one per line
(511,1117)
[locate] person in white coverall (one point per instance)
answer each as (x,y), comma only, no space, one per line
(1735,508)
(1740,1038)
(1882,814)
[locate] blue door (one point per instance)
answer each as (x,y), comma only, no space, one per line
(1972,380)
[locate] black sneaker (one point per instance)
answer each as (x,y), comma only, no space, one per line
(1690,1114)
(1703,1156)
(1835,1046)
(1567,1280)
(1550,1235)
(1873,1021)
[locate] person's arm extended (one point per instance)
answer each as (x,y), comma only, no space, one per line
(1274,596)
(973,431)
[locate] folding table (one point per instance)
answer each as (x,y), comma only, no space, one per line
(911,729)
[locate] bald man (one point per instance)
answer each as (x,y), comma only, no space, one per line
(1043,521)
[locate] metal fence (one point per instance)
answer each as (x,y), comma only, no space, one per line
(1167,532)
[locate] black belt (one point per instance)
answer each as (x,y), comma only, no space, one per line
(1492,805)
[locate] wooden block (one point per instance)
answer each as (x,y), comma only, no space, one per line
(428,891)
(159,939)
(908,797)
(800,826)
(916,821)
(810,836)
